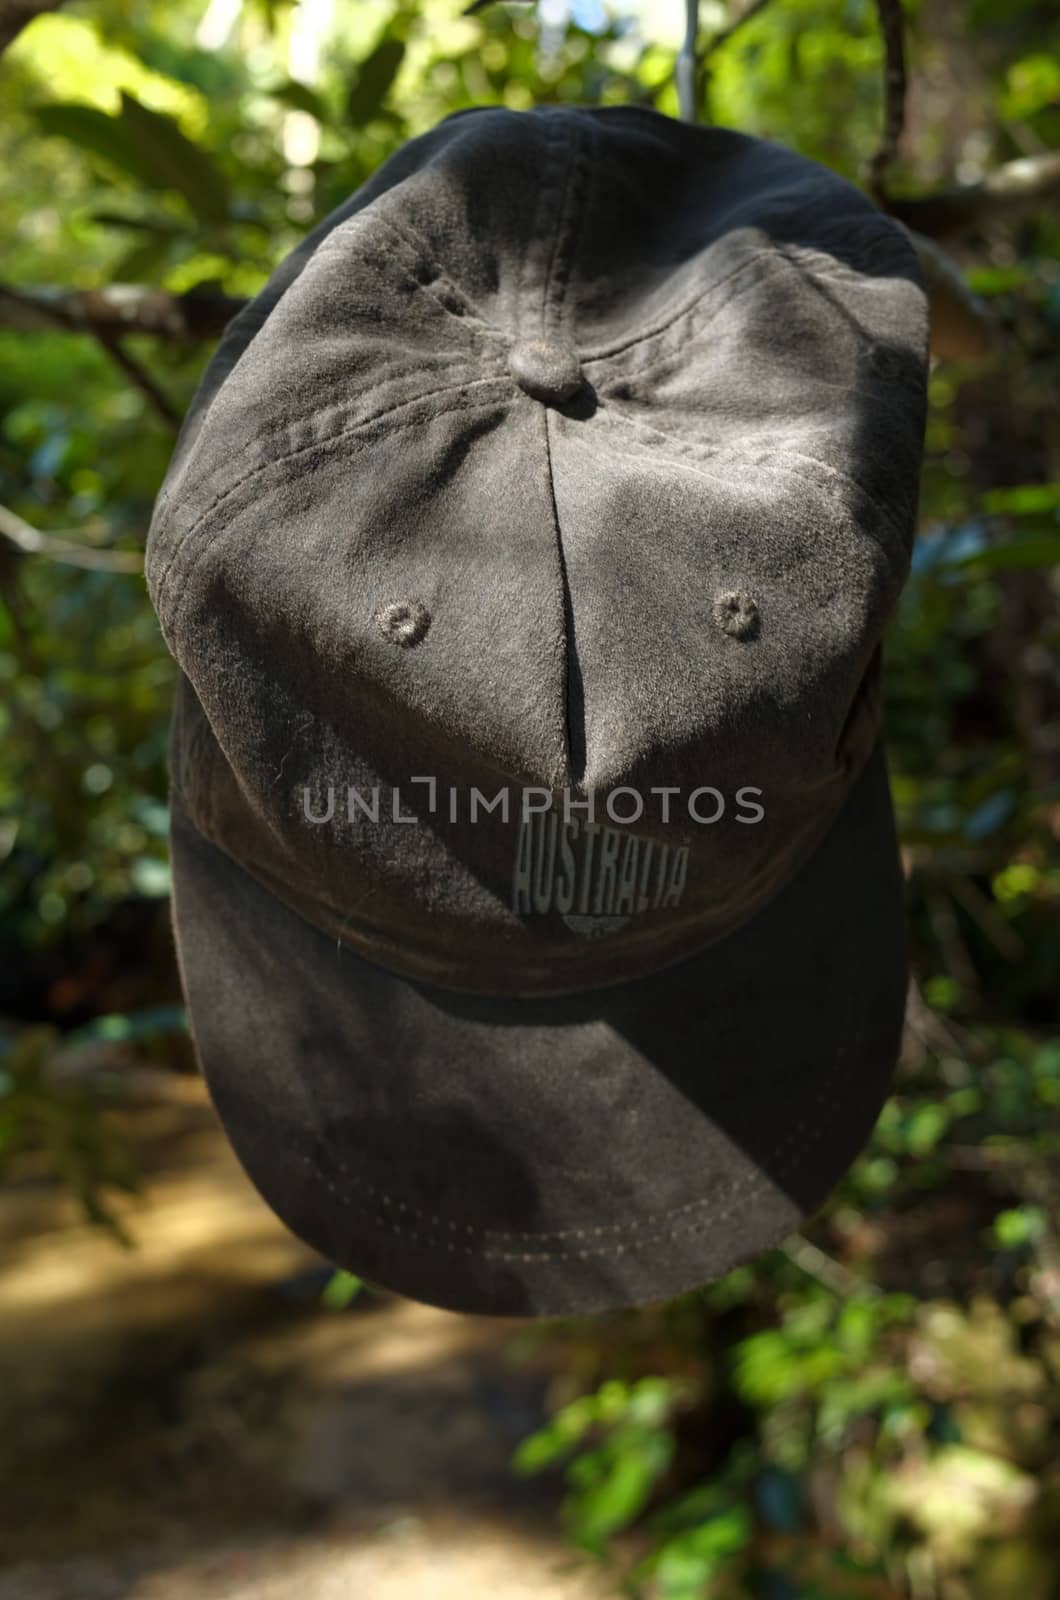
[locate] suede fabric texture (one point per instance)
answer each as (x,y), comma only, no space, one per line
(560,1155)
(577,453)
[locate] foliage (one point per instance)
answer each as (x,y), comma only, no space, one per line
(873,1408)
(341,1290)
(40,1111)
(927,1424)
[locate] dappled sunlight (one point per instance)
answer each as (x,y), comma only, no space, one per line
(367,1447)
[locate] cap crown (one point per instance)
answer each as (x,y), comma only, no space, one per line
(578,450)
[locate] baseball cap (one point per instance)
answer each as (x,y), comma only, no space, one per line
(526,552)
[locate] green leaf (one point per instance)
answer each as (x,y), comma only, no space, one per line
(1019,1227)
(997,280)
(341,1289)
(771,1367)
(147,145)
(95,133)
(151,225)
(686,1565)
(372,83)
(925,1128)
(631,1466)
(300,97)
(175,161)
(145,261)
(557,1437)
(1036,550)
(1028,498)
(116,1027)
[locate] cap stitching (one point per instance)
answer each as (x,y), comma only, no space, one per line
(736,1186)
(316,444)
(867,340)
(770,258)
(789,459)
(569,222)
(671,356)
(699,301)
(335,240)
(422,252)
(752,1183)
(338,413)
(553,186)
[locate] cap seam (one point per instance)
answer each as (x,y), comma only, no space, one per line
(334,242)
(500,383)
(569,222)
(556,219)
(574,736)
(669,357)
(421,250)
(701,327)
(533,277)
(769,257)
(687,308)
(339,414)
(790,459)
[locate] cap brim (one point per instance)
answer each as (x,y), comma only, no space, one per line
(573,1154)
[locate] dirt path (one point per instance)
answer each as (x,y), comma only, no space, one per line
(183,1421)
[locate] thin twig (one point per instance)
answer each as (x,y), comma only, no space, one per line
(726,33)
(1003,937)
(142,379)
(686,69)
(892,26)
(31,542)
(722,37)
(825,1268)
(945,927)
(938,1035)
(119,309)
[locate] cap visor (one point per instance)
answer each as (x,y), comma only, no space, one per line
(563,1155)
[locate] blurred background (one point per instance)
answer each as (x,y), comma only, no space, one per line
(190,1402)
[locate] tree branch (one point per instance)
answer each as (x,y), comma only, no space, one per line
(892,26)
(142,379)
(118,310)
(15,14)
(31,542)
(725,34)
(825,1268)
(686,67)
(1009,191)
(963,327)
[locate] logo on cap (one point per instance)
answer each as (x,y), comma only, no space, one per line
(594,877)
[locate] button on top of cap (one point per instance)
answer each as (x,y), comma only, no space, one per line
(547,369)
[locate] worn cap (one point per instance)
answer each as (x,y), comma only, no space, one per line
(525,553)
